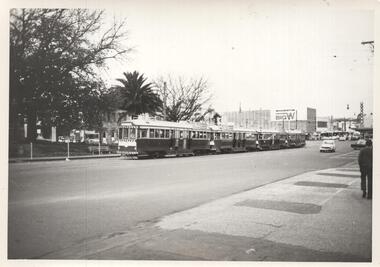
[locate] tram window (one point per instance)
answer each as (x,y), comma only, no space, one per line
(162,133)
(171,134)
(193,134)
(156,133)
(209,136)
(125,133)
(120,133)
(143,133)
(151,133)
(133,133)
(217,136)
(180,134)
(166,133)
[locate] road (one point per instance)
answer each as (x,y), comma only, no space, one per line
(55,206)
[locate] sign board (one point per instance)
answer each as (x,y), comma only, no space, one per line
(285,115)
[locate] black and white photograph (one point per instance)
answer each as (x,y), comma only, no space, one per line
(189,131)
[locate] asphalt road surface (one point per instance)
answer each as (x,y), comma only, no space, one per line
(54,206)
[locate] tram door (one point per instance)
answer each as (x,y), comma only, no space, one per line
(234,140)
(188,139)
(176,139)
(184,139)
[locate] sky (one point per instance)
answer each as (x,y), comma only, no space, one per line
(255,54)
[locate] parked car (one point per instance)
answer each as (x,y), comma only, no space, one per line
(359,144)
(343,138)
(327,146)
(92,141)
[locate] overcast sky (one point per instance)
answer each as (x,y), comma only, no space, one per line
(260,55)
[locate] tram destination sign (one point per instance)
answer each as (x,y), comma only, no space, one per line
(286,115)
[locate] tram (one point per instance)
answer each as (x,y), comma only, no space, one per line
(154,138)
(296,139)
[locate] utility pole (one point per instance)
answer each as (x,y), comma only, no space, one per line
(361,114)
(164,108)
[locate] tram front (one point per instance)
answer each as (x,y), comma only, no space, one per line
(127,139)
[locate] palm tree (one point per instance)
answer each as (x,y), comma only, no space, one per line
(136,96)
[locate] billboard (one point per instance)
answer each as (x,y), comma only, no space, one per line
(285,115)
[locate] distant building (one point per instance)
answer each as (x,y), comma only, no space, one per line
(304,120)
(254,119)
(110,126)
(280,119)
(344,124)
(324,124)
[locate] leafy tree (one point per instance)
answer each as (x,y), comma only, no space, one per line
(137,96)
(216,118)
(184,99)
(55,55)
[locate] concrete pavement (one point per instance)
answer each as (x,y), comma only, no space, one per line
(315,216)
(35,159)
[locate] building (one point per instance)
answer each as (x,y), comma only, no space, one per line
(254,119)
(304,120)
(324,124)
(281,119)
(110,126)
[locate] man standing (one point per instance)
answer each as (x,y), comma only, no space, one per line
(365,164)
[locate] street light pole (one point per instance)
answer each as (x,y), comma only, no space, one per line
(99,143)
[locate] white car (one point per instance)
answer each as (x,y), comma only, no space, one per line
(327,146)
(342,138)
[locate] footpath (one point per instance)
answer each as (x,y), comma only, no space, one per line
(35,159)
(318,216)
